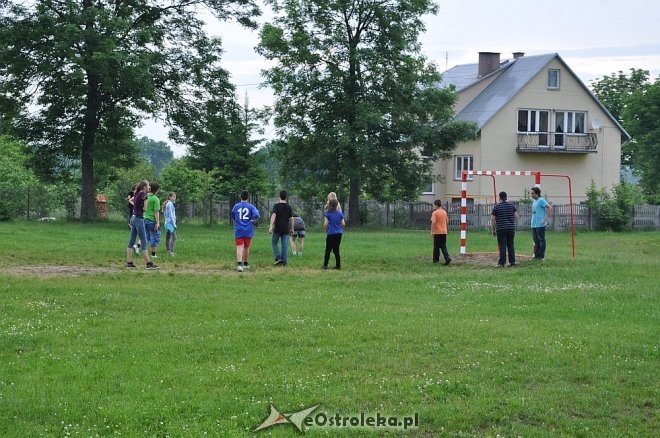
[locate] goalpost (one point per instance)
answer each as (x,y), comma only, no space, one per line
(492,173)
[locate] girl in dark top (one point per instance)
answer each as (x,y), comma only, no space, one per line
(137,225)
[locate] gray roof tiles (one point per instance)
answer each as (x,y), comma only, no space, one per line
(514,75)
(513,79)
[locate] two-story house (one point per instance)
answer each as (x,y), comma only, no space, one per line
(533,113)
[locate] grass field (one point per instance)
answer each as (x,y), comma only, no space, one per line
(566,347)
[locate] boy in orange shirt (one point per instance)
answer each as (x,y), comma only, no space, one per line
(439,222)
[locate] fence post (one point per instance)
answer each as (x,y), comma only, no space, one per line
(554,219)
(394,217)
(478,217)
(387,214)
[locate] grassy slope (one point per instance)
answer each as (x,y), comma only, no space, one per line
(566,347)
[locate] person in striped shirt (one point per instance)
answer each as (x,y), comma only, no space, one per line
(503,221)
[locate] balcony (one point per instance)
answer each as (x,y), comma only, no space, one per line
(557,142)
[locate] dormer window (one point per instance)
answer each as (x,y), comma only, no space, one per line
(553,79)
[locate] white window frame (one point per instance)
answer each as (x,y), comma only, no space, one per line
(569,120)
(431,184)
(458,174)
(554,86)
(536,119)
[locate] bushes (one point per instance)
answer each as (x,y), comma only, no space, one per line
(5,211)
(614,210)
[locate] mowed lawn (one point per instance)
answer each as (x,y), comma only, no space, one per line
(565,347)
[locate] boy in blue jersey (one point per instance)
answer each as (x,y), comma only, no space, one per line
(244,215)
(540,212)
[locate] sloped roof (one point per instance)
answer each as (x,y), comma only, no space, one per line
(466,75)
(514,76)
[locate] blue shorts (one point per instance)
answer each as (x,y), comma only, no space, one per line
(153,234)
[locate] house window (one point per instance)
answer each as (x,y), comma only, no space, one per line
(569,122)
(428,187)
(536,122)
(463,163)
(553,79)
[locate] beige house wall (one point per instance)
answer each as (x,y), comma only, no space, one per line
(496,147)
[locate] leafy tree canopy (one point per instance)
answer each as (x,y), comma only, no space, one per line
(157,153)
(613,92)
(358,107)
(642,120)
(80,72)
(221,143)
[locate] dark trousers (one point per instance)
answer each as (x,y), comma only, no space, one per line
(538,234)
(440,243)
(170,238)
(332,242)
(505,242)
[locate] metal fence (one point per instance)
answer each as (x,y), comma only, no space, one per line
(36,204)
(417,215)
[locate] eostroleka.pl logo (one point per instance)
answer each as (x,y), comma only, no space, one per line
(275,417)
(304,418)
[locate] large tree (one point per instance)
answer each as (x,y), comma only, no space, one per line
(642,120)
(613,92)
(83,71)
(634,100)
(357,104)
(221,143)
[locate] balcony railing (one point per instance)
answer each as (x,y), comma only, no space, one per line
(557,142)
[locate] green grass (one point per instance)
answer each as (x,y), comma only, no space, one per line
(567,347)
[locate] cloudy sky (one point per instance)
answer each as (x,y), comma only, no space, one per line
(594,37)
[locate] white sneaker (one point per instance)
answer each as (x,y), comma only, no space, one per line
(294,253)
(240,268)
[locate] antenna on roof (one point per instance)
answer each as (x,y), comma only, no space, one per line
(446,61)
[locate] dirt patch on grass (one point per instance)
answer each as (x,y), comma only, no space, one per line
(57,270)
(45,271)
(486,259)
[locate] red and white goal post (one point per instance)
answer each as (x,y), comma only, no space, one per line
(537,183)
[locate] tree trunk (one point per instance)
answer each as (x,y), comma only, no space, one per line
(354,203)
(352,90)
(91,124)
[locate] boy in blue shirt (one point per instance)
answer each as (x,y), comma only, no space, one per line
(244,214)
(540,211)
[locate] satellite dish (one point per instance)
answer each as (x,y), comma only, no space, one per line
(595,123)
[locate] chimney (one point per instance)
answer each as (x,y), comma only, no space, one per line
(517,55)
(488,62)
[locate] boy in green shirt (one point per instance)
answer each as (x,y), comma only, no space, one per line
(152,219)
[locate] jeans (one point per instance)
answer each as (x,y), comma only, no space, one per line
(280,255)
(137,230)
(332,242)
(505,242)
(153,234)
(440,243)
(538,234)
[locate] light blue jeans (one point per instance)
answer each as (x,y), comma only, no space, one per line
(137,230)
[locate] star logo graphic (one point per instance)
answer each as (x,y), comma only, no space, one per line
(296,418)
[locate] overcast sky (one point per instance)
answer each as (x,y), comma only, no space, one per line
(594,37)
